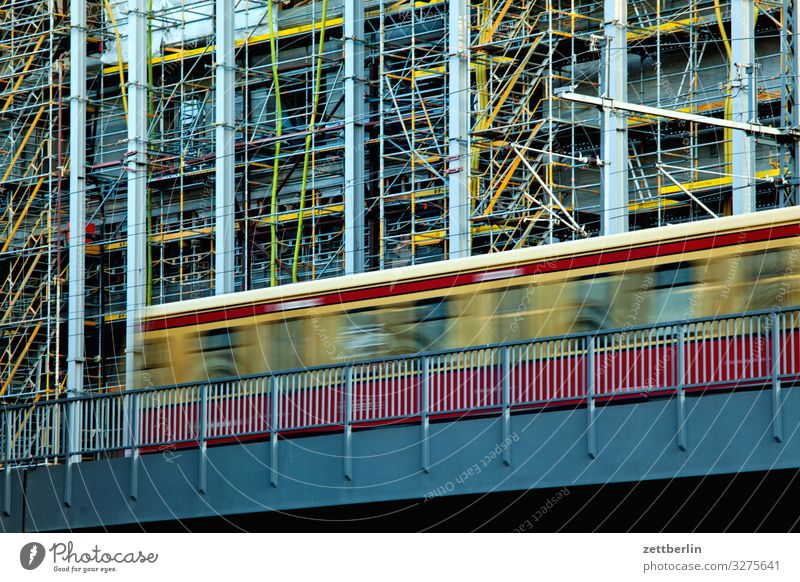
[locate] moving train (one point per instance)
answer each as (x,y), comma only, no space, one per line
(702,269)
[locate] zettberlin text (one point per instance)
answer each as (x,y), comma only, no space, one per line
(668,549)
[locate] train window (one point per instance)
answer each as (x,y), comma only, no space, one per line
(218,349)
(591,300)
(430,329)
(766,282)
(155,363)
(156,354)
(404,328)
(674,287)
(669,276)
(362,334)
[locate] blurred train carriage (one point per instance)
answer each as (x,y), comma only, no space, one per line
(705,269)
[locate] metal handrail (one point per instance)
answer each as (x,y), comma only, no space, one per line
(433,353)
(442,382)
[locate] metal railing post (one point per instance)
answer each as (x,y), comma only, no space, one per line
(348,429)
(273,421)
(72,446)
(680,383)
(506,403)
(7,464)
(777,416)
(424,415)
(133,407)
(591,446)
(201,437)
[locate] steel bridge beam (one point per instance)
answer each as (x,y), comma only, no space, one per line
(224,240)
(137,182)
(354,151)
(635,441)
(744,107)
(458,151)
(614,124)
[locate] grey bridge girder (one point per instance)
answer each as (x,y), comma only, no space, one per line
(726,433)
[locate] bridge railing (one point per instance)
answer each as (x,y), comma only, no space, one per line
(746,350)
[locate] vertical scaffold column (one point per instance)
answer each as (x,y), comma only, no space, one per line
(790,108)
(614,139)
(354,136)
(225,261)
(137,181)
(743,106)
(77,230)
(458,152)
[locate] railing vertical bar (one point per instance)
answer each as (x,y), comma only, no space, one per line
(680,366)
(438,378)
(560,360)
(506,380)
(253,424)
(737,337)
(622,367)
(320,386)
(461,381)
(791,344)
(424,413)
(390,380)
(248,395)
(590,392)
(316,406)
(522,374)
(756,345)
(7,434)
(690,369)
(348,415)
(409,395)
(71,427)
(201,436)
(320,383)
(777,415)
(631,360)
(274,424)
(133,414)
(332,384)
(355,387)
(305,411)
(238,394)
(558,391)
(312,416)
(726,340)
(361,406)
(606,363)
(409,370)
(542,390)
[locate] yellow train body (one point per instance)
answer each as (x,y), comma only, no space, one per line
(702,269)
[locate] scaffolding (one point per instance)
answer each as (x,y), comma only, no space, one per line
(358,135)
(33,44)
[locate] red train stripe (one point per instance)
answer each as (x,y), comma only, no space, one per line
(458,280)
